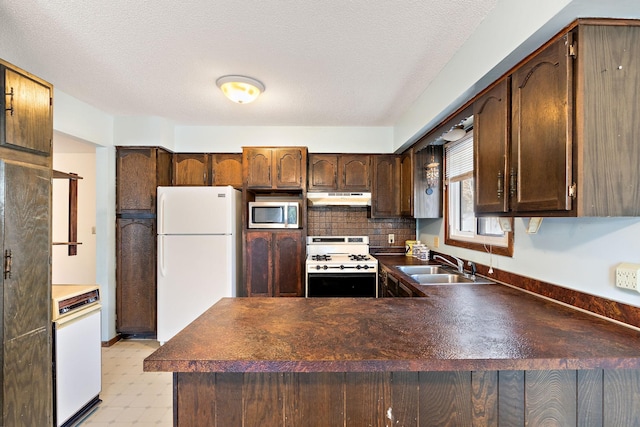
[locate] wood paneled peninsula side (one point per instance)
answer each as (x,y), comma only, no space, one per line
(464,355)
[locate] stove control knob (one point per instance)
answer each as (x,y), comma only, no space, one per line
(366,267)
(341,267)
(358,267)
(318,267)
(326,267)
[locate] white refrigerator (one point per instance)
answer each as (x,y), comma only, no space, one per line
(199,252)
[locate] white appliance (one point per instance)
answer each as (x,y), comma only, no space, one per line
(77,349)
(199,250)
(340,266)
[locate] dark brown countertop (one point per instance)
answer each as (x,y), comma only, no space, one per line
(462,327)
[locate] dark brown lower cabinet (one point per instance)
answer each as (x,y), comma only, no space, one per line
(421,399)
(274,263)
(136,276)
(26,397)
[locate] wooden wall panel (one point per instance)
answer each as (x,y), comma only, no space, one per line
(194,401)
(229,399)
(622,397)
(409,399)
(404,408)
(484,397)
(263,400)
(314,399)
(445,399)
(511,398)
(367,396)
(590,398)
(550,398)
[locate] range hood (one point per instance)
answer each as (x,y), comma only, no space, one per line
(339,199)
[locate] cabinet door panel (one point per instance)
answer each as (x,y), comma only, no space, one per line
(28,381)
(406,184)
(288,264)
(136,178)
(227,169)
(355,172)
(136,276)
(323,173)
(289,168)
(191,169)
(385,196)
(257,163)
(259,264)
(490,146)
(28,113)
(26,204)
(542,131)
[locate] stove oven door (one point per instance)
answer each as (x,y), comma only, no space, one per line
(342,284)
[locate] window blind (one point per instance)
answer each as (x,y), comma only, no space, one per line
(459,157)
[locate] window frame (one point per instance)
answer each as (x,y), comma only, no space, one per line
(476,242)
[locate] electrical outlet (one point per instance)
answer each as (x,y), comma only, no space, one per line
(628,276)
(436,242)
(392,239)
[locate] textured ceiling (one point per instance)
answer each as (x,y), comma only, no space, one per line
(324,63)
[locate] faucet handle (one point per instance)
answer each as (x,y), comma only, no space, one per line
(472,265)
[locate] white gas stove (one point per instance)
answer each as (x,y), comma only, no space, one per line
(340,266)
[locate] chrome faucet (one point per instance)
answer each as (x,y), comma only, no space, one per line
(460,265)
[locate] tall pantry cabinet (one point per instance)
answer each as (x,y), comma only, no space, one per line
(26,131)
(139,170)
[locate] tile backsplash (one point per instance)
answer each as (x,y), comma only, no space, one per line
(353,221)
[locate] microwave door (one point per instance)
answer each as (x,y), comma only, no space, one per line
(269,215)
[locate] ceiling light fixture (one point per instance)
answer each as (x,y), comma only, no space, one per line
(454,134)
(240,89)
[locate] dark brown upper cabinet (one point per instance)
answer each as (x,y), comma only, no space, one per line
(139,170)
(216,169)
(267,168)
(571,148)
(226,169)
(491,118)
(385,194)
(607,120)
(406,184)
(27,103)
(191,169)
(339,172)
(354,172)
(540,175)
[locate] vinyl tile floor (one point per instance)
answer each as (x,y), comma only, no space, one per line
(131,397)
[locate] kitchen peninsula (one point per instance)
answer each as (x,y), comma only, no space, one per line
(464,355)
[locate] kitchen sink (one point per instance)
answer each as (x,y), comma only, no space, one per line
(423,269)
(440,279)
(439,275)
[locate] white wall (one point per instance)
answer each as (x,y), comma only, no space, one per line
(80,268)
(576,253)
(318,139)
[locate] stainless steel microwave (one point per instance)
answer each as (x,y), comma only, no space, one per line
(274,214)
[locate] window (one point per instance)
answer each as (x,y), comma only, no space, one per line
(462,227)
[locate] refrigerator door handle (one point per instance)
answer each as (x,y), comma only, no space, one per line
(161,213)
(161,264)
